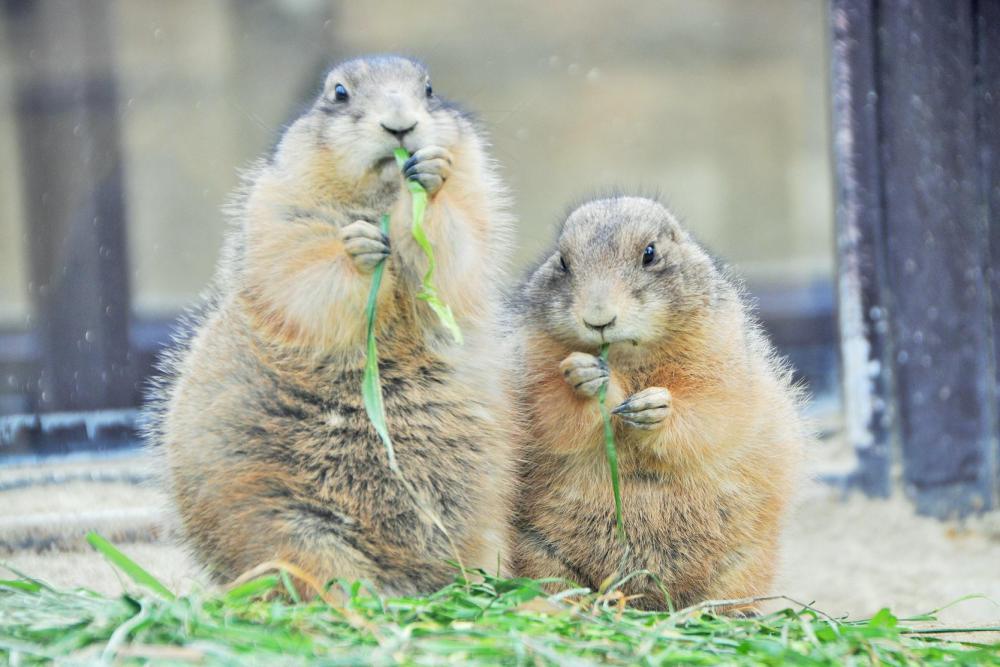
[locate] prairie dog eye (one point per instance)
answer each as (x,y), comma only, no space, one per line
(429,90)
(340,93)
(648,255)
(563,264)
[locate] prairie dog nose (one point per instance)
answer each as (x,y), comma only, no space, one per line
(606,323)
(398,130)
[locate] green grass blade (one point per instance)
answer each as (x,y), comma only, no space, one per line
(427,293)
(371,385)
(25,577)
(252,588)
(611,451)
(293,593)
(129,566)
(495,621)
(27,586)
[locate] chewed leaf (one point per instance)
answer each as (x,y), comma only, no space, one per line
(444,314)
(428,293)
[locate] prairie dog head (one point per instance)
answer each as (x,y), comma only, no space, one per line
(623,271)
(371,106)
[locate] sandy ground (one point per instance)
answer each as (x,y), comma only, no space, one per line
(848,556)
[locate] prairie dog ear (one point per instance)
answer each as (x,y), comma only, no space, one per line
(672,232)
(675,232)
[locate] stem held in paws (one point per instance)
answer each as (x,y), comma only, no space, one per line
(610,450)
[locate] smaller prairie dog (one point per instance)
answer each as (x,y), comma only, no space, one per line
(706,419)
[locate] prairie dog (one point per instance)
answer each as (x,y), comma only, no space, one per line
(706,420)
(267,448)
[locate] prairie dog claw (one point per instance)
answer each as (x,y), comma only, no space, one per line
(585,373)
(645,409)
(365,244)
(430,166)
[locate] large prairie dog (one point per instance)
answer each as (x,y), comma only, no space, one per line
(267,448)
(706,421)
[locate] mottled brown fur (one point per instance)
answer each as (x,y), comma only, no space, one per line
(703,490)
(267,448)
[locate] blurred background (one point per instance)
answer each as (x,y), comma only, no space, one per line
(148,110)
(124,124)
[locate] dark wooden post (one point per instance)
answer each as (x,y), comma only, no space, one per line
(861,298)
(938,248)
(916,126)
(71,165)
(988,75)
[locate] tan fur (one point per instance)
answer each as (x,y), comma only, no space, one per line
(704,491)
(268,450)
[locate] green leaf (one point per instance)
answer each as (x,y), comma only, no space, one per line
(427,293)
(27,586)
(611,452)
(128,566)
(252,588)
(884,619)
(371,385)
(293,592)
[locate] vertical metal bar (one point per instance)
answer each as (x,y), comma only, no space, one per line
(937,253)
(862,311)
(71,165)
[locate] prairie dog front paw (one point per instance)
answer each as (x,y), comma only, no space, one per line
(645,409)
(430,166)
(585,373)
(365,244)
